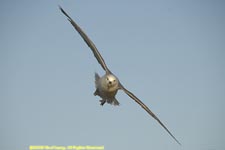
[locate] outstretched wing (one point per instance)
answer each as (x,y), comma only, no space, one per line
(88,41)
(131,95)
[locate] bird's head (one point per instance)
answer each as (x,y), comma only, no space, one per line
(112,82)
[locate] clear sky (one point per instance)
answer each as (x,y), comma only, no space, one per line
(170,54)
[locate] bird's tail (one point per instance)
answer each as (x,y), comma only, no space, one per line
(113,101)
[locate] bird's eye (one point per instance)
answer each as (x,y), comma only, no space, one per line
(107,78)
(114,80)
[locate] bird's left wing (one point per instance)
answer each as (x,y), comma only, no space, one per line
(131,95)
(88,41)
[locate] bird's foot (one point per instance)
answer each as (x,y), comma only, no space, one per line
(102,102)
(96,93)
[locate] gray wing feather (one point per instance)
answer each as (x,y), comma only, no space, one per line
(88,41)
(131,95)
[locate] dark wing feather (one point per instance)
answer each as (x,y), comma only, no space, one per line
(131,95)
(88,41)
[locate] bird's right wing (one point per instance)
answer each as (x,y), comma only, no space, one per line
(137,100)
(87,40)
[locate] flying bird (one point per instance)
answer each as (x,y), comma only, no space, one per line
(108,85)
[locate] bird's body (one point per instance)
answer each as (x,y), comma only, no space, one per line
(108,85)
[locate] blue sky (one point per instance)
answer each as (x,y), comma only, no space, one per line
(170,54)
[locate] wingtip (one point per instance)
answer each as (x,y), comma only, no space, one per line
(61,9)
(177,141)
